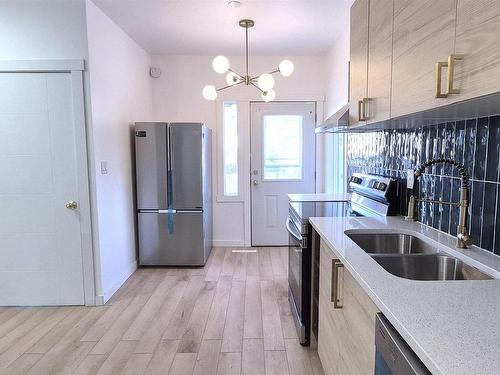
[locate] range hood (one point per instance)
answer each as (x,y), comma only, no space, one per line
(339,120)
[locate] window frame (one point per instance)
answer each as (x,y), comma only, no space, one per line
(221,196)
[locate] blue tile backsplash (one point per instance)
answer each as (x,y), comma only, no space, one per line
(474,143)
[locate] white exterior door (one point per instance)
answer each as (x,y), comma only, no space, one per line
(40,238)
(283,152)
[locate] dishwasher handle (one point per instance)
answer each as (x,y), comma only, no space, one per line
(393,355)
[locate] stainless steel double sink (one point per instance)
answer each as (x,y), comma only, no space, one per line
(410,257)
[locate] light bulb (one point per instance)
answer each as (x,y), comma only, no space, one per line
(286,68)
(269,95)
(265,82)
(209,92)
(232,78)
(220,64)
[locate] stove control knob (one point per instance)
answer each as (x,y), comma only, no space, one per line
(356,180)
(382,186)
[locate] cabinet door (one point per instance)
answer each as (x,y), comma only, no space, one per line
(346,335)
(328,340)
(380,60)
(359,313)
(424,34)
(359,59)
(478,30)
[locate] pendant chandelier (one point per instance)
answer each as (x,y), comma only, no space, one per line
(264,83)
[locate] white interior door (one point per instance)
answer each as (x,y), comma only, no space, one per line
(282,162)
(40,238)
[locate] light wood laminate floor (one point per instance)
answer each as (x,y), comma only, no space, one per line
(230,317)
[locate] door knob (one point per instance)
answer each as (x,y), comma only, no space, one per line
(255,182)
(71,205)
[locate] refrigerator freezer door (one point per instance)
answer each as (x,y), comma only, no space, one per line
(186,165)
(183,247)
(151,165)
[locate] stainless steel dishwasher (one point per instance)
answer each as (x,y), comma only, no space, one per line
(393,356)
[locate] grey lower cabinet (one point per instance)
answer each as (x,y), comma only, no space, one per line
(346,331)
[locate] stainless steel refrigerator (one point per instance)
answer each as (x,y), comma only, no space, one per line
(174,193)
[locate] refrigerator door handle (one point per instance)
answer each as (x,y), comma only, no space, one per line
(169,167)
(169,147)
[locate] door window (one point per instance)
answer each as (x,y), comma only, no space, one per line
(282,151)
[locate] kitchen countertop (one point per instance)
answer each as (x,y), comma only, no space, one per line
(320,197)
(453,326)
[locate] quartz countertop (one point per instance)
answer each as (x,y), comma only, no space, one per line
(452,326)
(320,197)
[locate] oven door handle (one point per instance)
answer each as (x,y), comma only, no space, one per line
(290,227)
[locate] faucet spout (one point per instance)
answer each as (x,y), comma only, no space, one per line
(463,237)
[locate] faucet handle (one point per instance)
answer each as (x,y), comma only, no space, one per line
(464,240)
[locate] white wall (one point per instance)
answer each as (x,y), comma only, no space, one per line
(337,83)
(177,97)
(337,74)
(42,29)
(120,90)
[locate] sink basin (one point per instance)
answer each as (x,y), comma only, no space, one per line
(429,267)
(391,243)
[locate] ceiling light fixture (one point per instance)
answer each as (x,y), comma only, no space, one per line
(264,83)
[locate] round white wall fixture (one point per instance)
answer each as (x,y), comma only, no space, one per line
(155,72)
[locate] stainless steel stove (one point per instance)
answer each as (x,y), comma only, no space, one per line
(371,196)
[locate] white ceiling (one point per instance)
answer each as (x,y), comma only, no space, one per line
(209,27)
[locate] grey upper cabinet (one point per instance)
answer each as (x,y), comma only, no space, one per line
(358,70)
(424,34)
(478,41)
(379,60)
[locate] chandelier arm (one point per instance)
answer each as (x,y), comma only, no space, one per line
(228,86)
(238,74)
(257,87)
(257,77)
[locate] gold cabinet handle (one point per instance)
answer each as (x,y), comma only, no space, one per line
(362,109)
(451,73)
(334,293)
(439,75)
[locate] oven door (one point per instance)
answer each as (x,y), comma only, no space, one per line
(296,247)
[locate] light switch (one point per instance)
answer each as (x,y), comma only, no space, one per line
(104,167)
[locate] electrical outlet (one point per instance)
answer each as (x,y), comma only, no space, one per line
(410,178)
